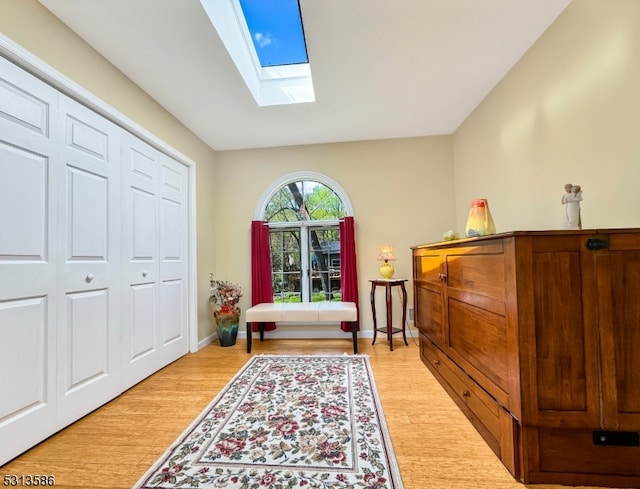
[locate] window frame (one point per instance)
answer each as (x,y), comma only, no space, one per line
(303,226)
(272,85)
(302,175)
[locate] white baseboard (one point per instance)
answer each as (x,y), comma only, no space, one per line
(283,332)
(208,340)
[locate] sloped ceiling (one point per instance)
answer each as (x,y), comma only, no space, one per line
(381,68)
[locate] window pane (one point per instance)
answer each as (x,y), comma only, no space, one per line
(282,207)
(304,200)
(276,31)
(305,241)
(324,257)
(322,203)
(285,265)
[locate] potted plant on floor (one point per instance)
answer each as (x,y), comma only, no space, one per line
(224,295)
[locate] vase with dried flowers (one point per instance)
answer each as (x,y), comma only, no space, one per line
(225,295)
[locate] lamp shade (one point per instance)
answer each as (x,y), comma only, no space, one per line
(386,253)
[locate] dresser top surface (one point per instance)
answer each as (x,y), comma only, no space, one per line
(555,232)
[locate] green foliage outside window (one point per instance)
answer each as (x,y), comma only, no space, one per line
(307,251)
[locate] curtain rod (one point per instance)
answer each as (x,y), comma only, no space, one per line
(264,223)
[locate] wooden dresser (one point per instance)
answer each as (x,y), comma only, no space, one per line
(536,337)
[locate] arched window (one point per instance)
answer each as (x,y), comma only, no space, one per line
(303,211)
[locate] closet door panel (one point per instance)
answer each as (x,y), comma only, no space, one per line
(23,329)
(173,257)
(28,194)
(141,291)
(87,218)
(172,282)
(154,237)
(24,199)
(172,314)
(142,335)
(26,107)
(24,356)
(89,323)
(28,260)
(143,228)
(86,352)
(143,304)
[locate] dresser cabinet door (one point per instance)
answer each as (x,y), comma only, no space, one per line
(587,331)
(563,336)
(618,280)
(475,304)
(429,310)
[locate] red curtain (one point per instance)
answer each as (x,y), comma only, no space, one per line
(348,269)
(261,287)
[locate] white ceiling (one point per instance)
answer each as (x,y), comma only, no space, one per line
(381,68)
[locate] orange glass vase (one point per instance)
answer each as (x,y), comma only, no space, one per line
(480,222)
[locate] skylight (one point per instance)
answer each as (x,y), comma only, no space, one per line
(276,31)
(271,57)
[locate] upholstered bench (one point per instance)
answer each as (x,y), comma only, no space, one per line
(322,312)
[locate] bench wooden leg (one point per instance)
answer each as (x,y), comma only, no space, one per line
(261,327)
(354,333)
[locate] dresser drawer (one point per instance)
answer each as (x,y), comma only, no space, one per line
(495,424)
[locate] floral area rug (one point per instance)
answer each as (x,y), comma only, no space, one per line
(286,422)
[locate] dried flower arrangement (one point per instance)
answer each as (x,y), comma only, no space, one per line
(225,295)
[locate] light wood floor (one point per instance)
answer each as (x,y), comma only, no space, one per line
(436,447)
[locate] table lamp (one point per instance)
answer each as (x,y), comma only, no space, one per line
(386,256)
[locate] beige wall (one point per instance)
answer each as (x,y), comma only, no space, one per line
(569,111)
(30,25)
(401,191)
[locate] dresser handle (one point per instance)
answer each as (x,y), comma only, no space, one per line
(595,244)
(436,362)
(466,394)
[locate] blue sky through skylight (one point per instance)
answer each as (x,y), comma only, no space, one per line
(276,31)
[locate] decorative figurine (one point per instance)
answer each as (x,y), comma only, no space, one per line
(571,218)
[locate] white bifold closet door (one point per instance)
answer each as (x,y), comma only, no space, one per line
(29,260)
(155,268)
(89,241)
(93,260)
